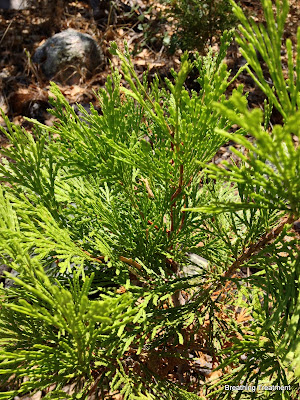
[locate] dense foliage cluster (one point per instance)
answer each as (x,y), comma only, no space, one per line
(198,21)
(100,215)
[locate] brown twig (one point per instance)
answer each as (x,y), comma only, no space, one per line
(131,262)
(157,227)
(175,195)
(177,297)
(126,260)
(95,384)
(266,238)
(99,259)
(148,188)
(182,217)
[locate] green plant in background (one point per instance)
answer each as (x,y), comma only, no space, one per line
(197,22)
(100,215)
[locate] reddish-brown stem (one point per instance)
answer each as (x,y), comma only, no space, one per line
(94,387)
(181,175)
(99,259)
(126,260)
(182,219)
(175,195)
(253,248)
(130,261)
(173,264)
(172,218)
(156,227)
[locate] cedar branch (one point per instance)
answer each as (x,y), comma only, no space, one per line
(253,248)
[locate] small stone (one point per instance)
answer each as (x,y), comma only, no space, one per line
(13,4)
(296,226)
(69,56)
(198,260)
(37,395)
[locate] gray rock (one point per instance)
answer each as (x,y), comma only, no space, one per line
(7,282)
(198,264)
(3,268)
(69,56)
(13,4)
(296,226)
(198,260)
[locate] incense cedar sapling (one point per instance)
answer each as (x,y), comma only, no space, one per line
(198,21)
(100,215)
